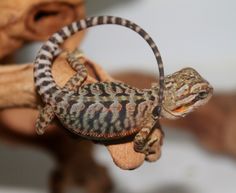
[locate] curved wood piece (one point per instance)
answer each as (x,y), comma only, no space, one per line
(22,21)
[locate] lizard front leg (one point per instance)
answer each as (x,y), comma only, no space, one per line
(46,114)
(145,139)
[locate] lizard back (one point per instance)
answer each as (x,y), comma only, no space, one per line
(106,110)
(86,112)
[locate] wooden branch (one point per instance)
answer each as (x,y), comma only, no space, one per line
(20,92)
(26,20)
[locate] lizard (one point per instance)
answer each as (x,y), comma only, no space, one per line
(46,86)
(112,110)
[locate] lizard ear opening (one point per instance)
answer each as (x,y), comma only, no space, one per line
(156,112)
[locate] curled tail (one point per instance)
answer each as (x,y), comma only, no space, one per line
(45,84)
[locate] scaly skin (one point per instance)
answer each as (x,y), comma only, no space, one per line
(111,110)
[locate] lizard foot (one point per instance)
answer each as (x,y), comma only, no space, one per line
(143,141)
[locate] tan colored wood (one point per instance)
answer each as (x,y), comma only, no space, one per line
(125,157)
(22,21)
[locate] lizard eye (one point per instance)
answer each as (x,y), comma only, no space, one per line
(202,94)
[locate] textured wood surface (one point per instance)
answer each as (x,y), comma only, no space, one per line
(22,21)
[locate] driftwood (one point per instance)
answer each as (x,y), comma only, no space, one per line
(214,124)
(26,20)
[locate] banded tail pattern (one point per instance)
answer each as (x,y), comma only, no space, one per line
(45,84)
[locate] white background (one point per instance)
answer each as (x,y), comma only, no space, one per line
(200,34)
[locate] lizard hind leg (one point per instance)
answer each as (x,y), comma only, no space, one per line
(46,115)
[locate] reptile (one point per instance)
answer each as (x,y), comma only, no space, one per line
(112,110)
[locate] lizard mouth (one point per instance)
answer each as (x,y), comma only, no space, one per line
(184,109)
(181,109)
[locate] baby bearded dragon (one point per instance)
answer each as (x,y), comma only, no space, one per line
(97,106)
(109,110)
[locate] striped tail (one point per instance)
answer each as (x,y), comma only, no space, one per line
(45,84)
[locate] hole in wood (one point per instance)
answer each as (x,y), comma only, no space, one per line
(44,14)
(45,18)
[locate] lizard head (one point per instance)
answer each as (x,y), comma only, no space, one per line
(184,91)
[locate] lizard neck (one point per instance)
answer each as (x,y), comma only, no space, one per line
(153,94)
